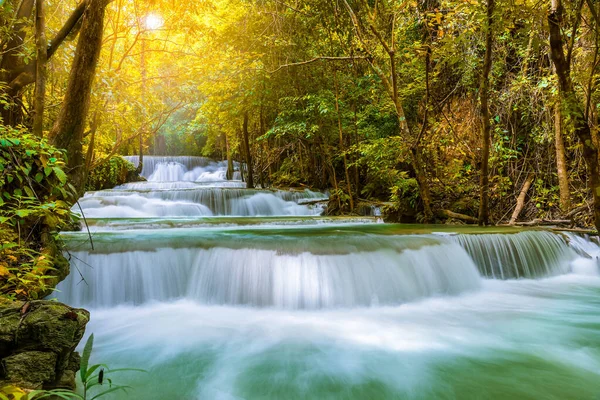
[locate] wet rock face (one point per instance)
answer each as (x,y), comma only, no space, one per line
(37,343)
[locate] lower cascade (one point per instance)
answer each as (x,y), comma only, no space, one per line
(223,292)
(265,278)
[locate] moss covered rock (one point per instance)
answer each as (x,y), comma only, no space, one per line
(37,343)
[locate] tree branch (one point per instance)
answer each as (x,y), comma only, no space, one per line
(320,58)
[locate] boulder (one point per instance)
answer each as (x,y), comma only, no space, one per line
(37,344)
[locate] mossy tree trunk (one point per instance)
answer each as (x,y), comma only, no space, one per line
(571,105)
(68,129)
(485,119)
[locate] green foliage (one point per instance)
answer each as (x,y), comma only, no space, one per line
(385,161)
(116,171)
(96,375)
(35,203)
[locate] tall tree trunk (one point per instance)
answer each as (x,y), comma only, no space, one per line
(561,163)
(40,69)
(229,174)
(341,138)
(11,63)
(140,166)
(572,106)
(485,119)
(68,129)
(416,149)
(391,86)
(250,178)
(89,158)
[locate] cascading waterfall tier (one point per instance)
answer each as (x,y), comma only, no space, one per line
(323,267)
(184,168)
(152,162)
(199,201)
(276,277)
(193,187)
(532,254)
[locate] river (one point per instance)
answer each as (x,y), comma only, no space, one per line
(222,292)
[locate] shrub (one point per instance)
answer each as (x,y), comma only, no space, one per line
(110,173)
(35,200)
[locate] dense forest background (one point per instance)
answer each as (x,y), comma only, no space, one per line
(431,107)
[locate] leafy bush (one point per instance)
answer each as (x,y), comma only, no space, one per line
(113,172)
(35,203)
(385,161)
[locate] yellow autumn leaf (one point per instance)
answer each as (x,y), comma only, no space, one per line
(13,392)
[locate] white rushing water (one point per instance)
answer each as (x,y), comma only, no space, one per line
(511,340)
(193,187)
(187,283)
(265,278)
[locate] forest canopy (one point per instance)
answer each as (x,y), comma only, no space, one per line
(434,108)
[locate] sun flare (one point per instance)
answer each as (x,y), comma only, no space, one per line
(154,21)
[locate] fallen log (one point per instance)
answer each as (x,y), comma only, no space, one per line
(591,232)
(521,199)
(317,201)
(452,214)
(544,222)
(579,209)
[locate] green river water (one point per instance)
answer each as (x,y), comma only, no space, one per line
(277,302)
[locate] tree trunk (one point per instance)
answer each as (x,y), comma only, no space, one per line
(40,69)
(341,137)
(561,163)
(68,129)
(11,63)
(89,158)
(140,166)
(573,107)
(229,174)
(521,199)
(390,82)
(417,163)
(485,119)
(14,73)
(250,179)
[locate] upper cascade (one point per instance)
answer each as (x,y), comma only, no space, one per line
(151,162)
(185,168)
(193,187)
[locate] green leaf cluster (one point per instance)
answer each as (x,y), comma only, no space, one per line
(113,172)
(35,199)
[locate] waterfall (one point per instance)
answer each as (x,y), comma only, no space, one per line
(196,201)
(193,187)
(588,249)
(290,269)
(530,254)
(152,162)
(270,278)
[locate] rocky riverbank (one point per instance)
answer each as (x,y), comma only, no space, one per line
(37,344)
